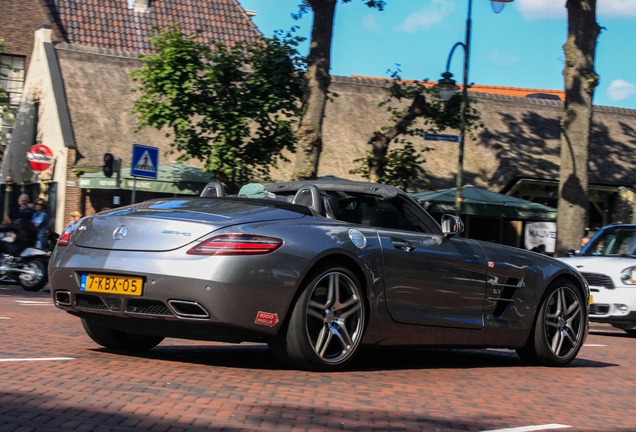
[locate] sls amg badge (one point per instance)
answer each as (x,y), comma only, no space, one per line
(266,318)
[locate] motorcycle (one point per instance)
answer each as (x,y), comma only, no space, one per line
(30,269)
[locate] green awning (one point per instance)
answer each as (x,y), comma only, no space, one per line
(171,178)
(480,202)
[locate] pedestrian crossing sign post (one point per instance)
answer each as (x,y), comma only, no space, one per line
(145,163)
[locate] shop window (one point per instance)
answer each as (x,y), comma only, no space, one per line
(12,82)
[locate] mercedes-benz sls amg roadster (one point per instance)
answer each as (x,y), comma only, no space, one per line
(316,270)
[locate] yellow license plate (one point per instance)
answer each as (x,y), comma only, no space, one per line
(112,284)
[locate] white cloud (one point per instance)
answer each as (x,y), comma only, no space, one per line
(428,16)
(620,89)
(371,24)
(541,9)
(551,9)
(503,59)
(616,8)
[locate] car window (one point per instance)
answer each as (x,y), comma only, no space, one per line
(612,241)
(378,212)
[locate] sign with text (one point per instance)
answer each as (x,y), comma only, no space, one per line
(541,236)
(441,137)
(40,157)
(145,161)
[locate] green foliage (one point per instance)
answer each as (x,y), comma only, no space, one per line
(448,113)
(229,107)
(400,165)
(435,116)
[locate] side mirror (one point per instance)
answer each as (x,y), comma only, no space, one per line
(571,252)
(452,225)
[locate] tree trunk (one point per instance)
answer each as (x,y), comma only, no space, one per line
(380,141)
(580,82)
(317,82)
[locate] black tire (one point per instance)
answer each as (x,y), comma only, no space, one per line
(631,332)
(327,322)
(36,275)
(560,327)
(119,340)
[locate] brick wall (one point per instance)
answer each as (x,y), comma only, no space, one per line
(18,21)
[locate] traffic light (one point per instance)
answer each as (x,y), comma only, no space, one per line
(109,164)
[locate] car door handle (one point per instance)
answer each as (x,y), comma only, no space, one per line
(402,244)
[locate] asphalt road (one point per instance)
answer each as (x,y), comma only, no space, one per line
(53,377)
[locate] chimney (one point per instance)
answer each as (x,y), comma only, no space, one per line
(141,5)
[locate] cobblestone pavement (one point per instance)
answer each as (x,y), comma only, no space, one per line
(53,377)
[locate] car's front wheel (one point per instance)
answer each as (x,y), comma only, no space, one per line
(560,327)
(119,340)
(326,324)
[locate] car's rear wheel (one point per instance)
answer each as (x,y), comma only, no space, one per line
(119,340)
(559,329)
(326,324)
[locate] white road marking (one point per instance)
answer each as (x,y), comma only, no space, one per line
(594,345)
(5,318)
(36,359)
(34,302)
(531,428)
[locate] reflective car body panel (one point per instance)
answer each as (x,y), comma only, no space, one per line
(420,286)
(430,280)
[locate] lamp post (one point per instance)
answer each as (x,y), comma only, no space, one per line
(447,86)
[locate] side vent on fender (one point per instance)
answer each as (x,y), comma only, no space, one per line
(504,294)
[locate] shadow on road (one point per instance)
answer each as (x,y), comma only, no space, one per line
(258,356)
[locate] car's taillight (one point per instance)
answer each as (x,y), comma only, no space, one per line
(237,244)
(65,238)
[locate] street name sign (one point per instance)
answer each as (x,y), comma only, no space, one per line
(441,137)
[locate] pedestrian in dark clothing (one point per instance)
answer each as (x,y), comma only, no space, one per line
(23,201)
(26,233)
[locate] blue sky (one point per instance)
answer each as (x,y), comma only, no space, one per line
(520,47)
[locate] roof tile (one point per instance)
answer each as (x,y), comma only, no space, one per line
(112,24)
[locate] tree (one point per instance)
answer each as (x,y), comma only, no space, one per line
(576,122)
(231,108)
(317,82)
(436,114)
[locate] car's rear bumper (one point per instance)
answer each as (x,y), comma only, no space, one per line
(252,295)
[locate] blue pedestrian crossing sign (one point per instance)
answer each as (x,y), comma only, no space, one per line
(145,161)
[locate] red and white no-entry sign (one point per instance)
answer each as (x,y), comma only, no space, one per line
(40,157)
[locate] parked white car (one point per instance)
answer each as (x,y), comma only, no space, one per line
(608,263)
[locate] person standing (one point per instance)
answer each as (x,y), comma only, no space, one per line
(23,201)
(41,221)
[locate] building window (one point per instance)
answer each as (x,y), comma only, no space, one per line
(12,82)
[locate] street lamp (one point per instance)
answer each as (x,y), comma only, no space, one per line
(447,86)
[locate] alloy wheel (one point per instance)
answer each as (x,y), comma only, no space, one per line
(563,323)
(335,317)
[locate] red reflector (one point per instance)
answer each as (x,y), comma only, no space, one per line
(237,244)
(65,238)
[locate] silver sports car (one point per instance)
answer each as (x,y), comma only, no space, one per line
(316,270)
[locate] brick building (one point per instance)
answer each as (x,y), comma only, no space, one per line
(56,101)
(76,94)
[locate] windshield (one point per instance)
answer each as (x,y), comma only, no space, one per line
(612,241)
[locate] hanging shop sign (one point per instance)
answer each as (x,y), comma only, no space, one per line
(40,157)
